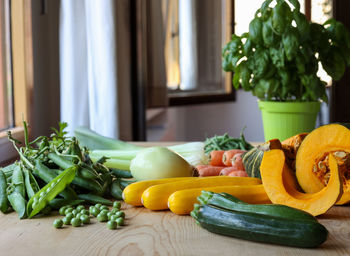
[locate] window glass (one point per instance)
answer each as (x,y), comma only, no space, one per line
(196,31)
(6,109)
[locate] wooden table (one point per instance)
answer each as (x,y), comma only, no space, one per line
(153,233)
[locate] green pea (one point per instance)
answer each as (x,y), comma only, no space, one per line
(98,206)
(104,212)
(42,194)
(120,214)
(76,222)
(109,215)
(112,224)
(78,215)
(91,207)
(114,210)
(102,217)
(104,207)
(114,217)
(58,223)
(66,221)
(86,212)
(120,221)
(80,208)
(70,216)
(117,204)
(62,210)
(85,219)
(95,211)
(68,210)
(74,212)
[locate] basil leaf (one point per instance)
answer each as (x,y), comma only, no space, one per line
(277,56)
(334,63)
(268,34)
(281,17)
(245,74)
(255,30)
(261,63)
(302,24)
(290,41)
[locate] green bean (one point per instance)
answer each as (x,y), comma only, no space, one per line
(121,173)
(18,203)
(115,190)
(50,191)
(93,199)
(106,181)
(8,170)
(91,185)
(4,203)
(30,183)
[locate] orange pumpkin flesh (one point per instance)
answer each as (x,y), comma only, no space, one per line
(282,191)
(312,167)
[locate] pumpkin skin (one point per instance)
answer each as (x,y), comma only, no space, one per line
(281,190)
(312,155)
(252,158)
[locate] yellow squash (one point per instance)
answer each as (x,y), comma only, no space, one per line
(281,190)
(133,192)
(156,197)
(181,202)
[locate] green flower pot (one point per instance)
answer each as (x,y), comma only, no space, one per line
(282,120)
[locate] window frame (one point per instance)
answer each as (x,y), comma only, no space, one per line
(22,76)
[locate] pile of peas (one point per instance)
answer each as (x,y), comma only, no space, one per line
(79,215)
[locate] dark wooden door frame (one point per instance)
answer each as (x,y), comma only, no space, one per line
(340,92)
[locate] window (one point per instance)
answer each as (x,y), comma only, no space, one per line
(15,70)
(6,110)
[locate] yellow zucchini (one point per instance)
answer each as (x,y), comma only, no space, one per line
(156,197)
(181,202)
(132,193)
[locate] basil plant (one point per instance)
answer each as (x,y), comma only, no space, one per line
(278,59)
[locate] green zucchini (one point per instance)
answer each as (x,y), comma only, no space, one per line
(259,227)
(229,202)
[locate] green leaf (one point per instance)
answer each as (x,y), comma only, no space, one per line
(296,4)
(334,64)
(255,30)
(268,34)
(236,77)
(302,24)
(290,40)
(281,17)
(277,56)
(245,76)
(261,62)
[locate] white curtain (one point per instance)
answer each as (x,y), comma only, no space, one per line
(187,45)
(88,65)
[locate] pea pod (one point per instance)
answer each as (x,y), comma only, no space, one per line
(41,199)
(18,203)
(95,199)
(18,180)
(85,172)
(47,175)
(57,203)
(4,204)
(30,183)
(121,173)
(116,190)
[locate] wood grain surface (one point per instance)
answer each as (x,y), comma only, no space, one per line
(153,233)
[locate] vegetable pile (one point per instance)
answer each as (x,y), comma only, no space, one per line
(56,171)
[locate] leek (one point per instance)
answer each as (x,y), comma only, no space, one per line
(119,153)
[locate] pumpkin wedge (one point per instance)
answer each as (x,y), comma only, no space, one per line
(312,165)
(281,191)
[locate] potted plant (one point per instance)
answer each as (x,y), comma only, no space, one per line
(278,60)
